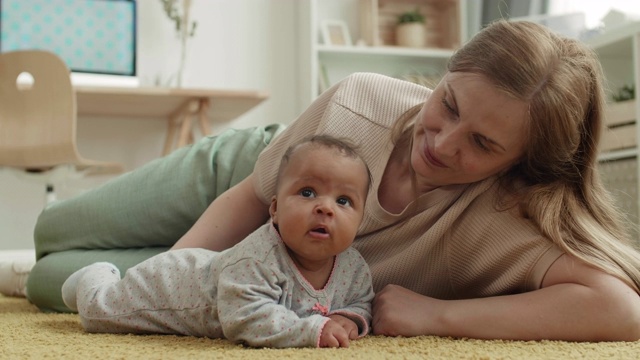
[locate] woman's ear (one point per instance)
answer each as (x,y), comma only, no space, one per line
(273,209)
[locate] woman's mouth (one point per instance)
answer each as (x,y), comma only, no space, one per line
(431,158)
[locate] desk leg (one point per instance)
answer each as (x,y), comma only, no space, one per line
(186,131)
(174,122)
(203,120)
(181,119)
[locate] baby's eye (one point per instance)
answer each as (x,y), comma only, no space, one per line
(344,201)
(307,193)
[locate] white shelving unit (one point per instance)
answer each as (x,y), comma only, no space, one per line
(619,52)
(323,65)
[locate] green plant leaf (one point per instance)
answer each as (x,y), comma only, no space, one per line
(411,16)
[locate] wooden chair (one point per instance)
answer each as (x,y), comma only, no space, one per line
(38,120)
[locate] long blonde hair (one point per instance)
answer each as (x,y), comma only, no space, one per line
(556,183)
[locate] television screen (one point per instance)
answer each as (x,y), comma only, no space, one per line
(92,36)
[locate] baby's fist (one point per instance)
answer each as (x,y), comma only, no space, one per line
(333,335)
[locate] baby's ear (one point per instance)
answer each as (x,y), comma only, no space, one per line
(273,209)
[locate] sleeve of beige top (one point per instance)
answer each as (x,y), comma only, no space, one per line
(541,266)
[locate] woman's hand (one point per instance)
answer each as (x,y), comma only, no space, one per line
(333,335)
(576,303)
(401,312)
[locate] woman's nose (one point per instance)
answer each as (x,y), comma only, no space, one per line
(447,141)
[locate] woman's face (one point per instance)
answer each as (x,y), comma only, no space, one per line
(467,130)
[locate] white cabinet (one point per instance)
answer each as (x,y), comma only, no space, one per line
(370,26)
(619,52)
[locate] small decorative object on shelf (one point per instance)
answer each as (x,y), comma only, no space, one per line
(410,31)
(335,32)
(184,29)
(626,92)
(620,121)
(439,20)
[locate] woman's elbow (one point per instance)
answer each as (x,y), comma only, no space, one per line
(623,316)
(629,327)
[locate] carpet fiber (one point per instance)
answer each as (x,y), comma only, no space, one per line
(28,333)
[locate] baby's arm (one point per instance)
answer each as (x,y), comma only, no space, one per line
(355,314)
(251,309)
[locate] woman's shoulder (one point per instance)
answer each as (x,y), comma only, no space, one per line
(368,81)
(361,87)
(379,96)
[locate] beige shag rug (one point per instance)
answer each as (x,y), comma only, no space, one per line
(28,333)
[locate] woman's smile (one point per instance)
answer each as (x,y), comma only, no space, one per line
(430,157)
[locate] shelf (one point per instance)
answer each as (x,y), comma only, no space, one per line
(390,60)
(163,103)
(372,22)
(616,42)
(618,155)
(393,51)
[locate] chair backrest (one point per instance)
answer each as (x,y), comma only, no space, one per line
(38,122)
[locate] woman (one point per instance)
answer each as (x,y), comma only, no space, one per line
(486,217)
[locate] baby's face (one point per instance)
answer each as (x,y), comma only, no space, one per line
(320,202)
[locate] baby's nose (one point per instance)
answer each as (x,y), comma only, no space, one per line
(323,208)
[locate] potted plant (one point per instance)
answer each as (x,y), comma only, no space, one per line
(185,28)
(410,31)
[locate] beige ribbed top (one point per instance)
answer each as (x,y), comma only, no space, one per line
(455,244)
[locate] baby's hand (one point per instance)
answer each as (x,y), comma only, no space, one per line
(334,335)
(347,324)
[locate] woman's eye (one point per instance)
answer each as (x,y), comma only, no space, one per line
(344,201)
(448,107)
(307,193)
(481,142)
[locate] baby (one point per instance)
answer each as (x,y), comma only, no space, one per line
(294,282)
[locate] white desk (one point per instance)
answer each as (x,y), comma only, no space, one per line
(179,105)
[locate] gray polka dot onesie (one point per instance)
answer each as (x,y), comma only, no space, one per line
(252,293)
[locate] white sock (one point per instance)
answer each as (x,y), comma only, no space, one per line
(14,275)
(70,286)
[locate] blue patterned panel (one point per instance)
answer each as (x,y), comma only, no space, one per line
(95,36)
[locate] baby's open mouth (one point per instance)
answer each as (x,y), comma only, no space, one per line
(320,230)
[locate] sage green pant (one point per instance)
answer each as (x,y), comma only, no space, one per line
(138,214)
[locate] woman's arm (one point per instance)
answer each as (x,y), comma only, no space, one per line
(228,219)
(576,303)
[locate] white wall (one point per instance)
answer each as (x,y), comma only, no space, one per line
(239,44)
